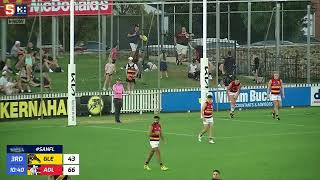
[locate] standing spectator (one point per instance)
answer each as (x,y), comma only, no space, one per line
(109,69)
(16,49)
(216,175)
(134,37)
(256,63)
(114,53)
(229,64)
(140,64)
(163,64)
(131,73)
(118,91)
(181,41)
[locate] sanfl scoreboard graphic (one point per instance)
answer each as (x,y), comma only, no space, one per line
(41,160)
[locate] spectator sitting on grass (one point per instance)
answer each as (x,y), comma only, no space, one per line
(45,66)
(7,66)
(53,63)
(7,86)
(23,80)
(16,49)
(46,81)
(163,64)
(29,61)
(193,71)
(30,47)
(21,62)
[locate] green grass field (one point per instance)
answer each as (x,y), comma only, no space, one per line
(87,68)
(252,146)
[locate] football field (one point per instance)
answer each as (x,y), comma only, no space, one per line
(252,146)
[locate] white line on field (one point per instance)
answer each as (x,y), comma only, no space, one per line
(223,137)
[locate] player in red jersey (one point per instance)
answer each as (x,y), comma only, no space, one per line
(155,134)
(207,117)
(233,92)
(275,88)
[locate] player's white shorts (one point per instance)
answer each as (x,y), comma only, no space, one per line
(133,47)
(275,97)
(154,144)
(207,121)
(232,94)
(181,49)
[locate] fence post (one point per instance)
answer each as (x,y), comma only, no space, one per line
(3,38)
(229,36)
(308,43)
(277,35)
(249,37)
(217,40)
(53,36)
(118,31)
(111,30)
(190,30)
(104,36)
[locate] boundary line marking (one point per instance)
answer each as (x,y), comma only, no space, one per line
(223,137)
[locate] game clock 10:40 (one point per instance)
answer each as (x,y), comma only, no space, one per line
(37,160)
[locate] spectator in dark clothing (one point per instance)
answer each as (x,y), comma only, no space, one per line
(198,53)
(181,41)
(256,69)
(134,38)
(229,64)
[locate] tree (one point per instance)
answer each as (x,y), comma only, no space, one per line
(293,21)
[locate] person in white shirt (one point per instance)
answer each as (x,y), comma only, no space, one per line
(131,72)
(193,71)
(109,69)
(16,49)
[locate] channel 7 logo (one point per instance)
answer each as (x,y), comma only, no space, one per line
(16,10)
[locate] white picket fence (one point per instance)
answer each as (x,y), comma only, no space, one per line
(137,101)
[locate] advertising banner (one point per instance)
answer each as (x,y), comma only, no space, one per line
(18,8)
(53,107)
(248,98)
(315,96)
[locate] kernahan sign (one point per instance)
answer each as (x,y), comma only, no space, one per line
(59,7)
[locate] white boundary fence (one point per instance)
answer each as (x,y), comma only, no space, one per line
(137,101)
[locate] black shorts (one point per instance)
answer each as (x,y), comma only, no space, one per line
(163,66)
